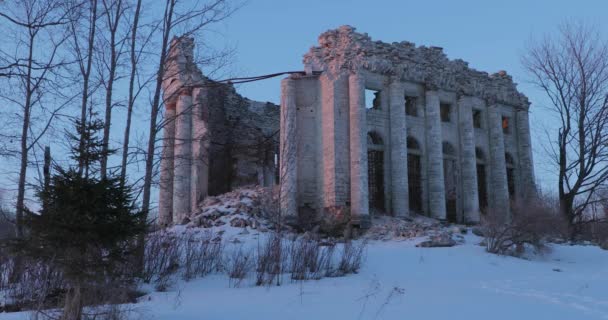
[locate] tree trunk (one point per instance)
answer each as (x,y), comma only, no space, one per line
(153,126)
(72,309)
(113,26)
(125,150)
(24,135)
(85,82)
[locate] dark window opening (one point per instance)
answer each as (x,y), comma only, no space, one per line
(445,112)
(510,175)
(372,99)
(414,175)
(506,125)
(448,149)
(412,144)
(481,188)
(410,106)
(450,182)
(511,182)
(477,119)
(414,182)
(375,163)
(479,155)
(374,138)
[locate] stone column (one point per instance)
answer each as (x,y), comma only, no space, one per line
(288,151)
(398,149)
(359,198)
(335,140)
(434,155)
(183,157)
(200,147)
(470,197)
(498,169)
(525,154)
(165,196)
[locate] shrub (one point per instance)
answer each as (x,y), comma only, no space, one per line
(352,257)
(201,255)
(532,223)
(238,266)
(270,261)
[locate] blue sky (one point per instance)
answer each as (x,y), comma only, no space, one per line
(272,35)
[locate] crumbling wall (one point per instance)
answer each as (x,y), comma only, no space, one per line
(243,140)
(214,140)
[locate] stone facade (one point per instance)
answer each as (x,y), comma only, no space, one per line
(214,140)
(439,138)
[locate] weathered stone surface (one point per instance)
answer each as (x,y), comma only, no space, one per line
(345,49)
(453,105)
(215,140)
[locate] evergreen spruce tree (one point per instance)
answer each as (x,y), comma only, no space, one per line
(87,227)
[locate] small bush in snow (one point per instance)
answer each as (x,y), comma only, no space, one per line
(352,257)
(238,266)
(270,260)
(163,253)
(304,259)
(531,224)
(201,255)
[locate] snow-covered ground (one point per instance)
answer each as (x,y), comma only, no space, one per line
(397,281)
(400,281)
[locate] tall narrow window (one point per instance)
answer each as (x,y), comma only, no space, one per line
(477,119)
(414,174)
(510,175)
(410,106)
(375,170)
(481,180)
(450,181)
(445,112)
(372,99)
(506,125)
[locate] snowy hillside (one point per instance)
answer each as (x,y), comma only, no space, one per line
(397,280)
(401,281)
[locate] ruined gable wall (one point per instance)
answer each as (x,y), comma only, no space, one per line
(244,140)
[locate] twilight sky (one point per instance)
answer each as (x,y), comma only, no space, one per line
(272,35)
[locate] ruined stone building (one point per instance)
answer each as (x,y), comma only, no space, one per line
(367,127)
(214,140)
(395,128)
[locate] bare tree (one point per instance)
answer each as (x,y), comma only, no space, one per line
(113,12)
(572,69)
(35,64)
(84,57)
(188,19)
(134,60)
